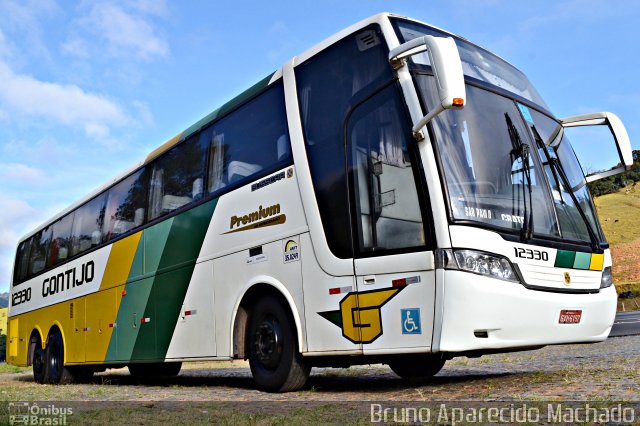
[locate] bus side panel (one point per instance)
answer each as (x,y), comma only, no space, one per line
(60,314)
(194,334)
(149,311)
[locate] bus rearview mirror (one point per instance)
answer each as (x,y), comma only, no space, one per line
(620,136)
(447,70)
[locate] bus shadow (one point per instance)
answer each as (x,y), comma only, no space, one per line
(320,383)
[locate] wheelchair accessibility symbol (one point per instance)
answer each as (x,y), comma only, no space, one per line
(410,321)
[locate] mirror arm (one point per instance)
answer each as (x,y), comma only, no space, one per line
(447,71)
(418,134)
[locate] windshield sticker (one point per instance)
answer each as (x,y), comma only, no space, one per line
(526,114)
(512,218)
(478,212)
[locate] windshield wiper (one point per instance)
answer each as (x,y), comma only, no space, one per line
(557,166)
(521,150)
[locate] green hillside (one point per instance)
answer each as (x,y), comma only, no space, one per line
(619,215)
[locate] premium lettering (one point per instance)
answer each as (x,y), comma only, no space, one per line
(261,213)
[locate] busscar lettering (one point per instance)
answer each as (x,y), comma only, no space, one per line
(261,213)
(68,279)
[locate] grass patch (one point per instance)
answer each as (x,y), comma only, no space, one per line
(6,368)
(620,215)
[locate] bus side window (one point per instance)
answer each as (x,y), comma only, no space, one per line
(251,141)
(177,177)
(22,261)
(126,205)
(39,250)
(60,240)
(87,225)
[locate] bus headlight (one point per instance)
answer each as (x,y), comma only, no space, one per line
(607,278)
(489,265)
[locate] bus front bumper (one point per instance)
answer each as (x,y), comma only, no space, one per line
(481,313)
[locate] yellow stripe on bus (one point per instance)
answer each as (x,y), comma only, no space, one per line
(120,261)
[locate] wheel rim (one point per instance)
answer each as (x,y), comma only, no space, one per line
(268,342)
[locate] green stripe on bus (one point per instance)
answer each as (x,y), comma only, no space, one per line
(132,302)
(133,305)
(582,260)
(170,286)
(565,258)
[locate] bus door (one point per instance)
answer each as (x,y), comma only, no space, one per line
(394,267)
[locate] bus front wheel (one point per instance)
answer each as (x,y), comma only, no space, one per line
(275,361)
(417,366)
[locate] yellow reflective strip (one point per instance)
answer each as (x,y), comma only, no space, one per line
(597,262)
(120,261)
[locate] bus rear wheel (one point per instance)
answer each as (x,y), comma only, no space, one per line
(39,362)
(55,371)
(417,366)
(275,361)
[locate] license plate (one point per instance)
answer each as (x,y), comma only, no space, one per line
(570,316)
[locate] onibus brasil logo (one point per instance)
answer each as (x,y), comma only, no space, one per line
(359,316)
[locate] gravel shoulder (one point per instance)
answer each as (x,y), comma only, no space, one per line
(607,371)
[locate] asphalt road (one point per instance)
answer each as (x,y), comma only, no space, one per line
(626,324)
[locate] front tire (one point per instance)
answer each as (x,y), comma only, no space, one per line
(275,361)
(418,366)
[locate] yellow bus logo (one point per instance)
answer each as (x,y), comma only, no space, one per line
(360,315)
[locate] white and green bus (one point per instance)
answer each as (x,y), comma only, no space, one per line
(395,194)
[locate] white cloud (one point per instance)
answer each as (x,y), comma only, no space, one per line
(67,104)
(151,7)
(126,32)
(76,47)
(20,173)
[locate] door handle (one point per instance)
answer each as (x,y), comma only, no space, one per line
(369,279)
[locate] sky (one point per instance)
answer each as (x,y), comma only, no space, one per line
(88,88)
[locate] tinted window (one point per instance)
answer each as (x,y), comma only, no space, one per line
(87,225)
(126,205)
(60,240)
(251,140)
(329,85)
(177,178)
(39,250)
(387,209)
(22,261)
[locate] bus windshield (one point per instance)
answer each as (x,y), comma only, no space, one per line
(509,166)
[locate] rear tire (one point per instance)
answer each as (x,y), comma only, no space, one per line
(39,363)
(418,366)
(274,358)
(155,370)
(55,371)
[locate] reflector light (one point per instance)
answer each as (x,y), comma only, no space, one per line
(399,282)
(145,320)
(124,292)
(458,102)
(334,290)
